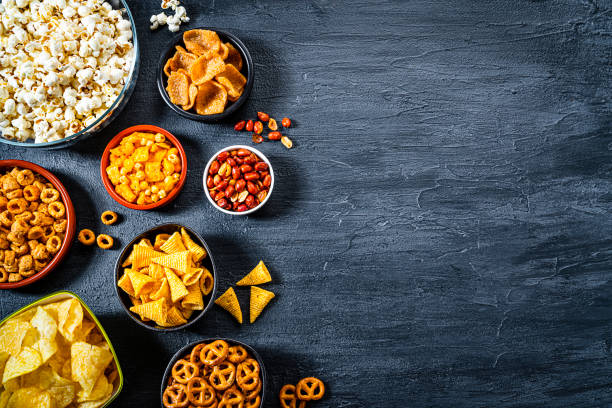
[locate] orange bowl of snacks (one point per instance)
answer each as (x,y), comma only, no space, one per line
(37,223)
(143,167)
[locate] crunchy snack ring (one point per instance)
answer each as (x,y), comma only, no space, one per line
(288,398)
(31,193)
(309,389)
(86,236)
(56,209)
(109,217)
(237,354)
(199,392)
(223,376)
(175,396)
(105,241)
(3,275)
(49,195)
(183,371)
(54,243)
(215,352)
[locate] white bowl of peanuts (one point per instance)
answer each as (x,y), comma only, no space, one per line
(238,180)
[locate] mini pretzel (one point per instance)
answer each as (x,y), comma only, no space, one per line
(309,389)
(252,394)
(252,402)
(199,392)
(183,371)
(31,193)
(49,195)
(194,356)
(237,354)
(175,396)
(288,399)
(247,374)
(54,243)
(109,217)
(232,398)
(86,237)
(105,241)
(223,376)
(56,209)
(214,353)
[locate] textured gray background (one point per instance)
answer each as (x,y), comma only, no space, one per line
(440,235)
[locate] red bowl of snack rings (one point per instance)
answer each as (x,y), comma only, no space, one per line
(214,372)
(143,167)
(238,180)
(37,223)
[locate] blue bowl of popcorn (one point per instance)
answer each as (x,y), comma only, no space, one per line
(64,82)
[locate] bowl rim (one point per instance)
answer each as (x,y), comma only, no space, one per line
(236,147)
(114,142)
(47,299)
(131,76)
(231,109)
(119,268)
(182,350)
(70,217)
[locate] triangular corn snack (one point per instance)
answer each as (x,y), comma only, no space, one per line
(196,250)
(193,300)
(179,261)
(163,291)
(156,311)
(229,302)
(140,282)
(126,284)
(173,244)
(258,276)
(177,288)
(142,256)
(259,300)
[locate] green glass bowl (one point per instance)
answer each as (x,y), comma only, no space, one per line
(64,295)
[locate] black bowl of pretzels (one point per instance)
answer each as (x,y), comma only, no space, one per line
(210,372)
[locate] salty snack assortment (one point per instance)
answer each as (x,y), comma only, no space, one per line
(205,74)
(33,224)
(63,63)
(215,374)
(165,279)
(238,180)
(55,355)
(144,168)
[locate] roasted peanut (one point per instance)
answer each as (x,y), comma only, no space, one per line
(286,122)
(249,126)
(240,125)
(264,117)
(274,135)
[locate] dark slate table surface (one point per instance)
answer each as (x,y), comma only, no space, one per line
(440,234)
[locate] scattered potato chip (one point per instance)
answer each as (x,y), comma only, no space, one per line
(202,42)
(178,88)
(229,302)
(258,276)
(211,98)
(259,300)
(233,81)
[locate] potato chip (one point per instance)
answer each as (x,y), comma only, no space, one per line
(211,98)
(4,397)
(11,336)
(193,300)
(44,323)
(25,362)
(229,302)
(98,391)
(258,276)
(30,397)
(233,81)
(178,88)
(173,244)
(70,317)
(177,289)
(126,284)
(206,282)
(156,311)
(202,42)
(259,300)
(46,348)
(193,93)
(179,261)
(140,282)
(88,362)
(142,256)
(204,69)
(233,56)
(87,327)
(197,252)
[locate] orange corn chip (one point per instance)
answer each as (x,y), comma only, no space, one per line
(193,276)
(201,42)
(204,69)
(197,252)
(163,291)
(156,271)
(233,81)
(156,311)
(126,284)
(141,283)
(178,261)
(142,256)
(258,276)
(193,300)
(233,57)
(206,282)
(174,318)
(173,244)
(160,239)
(211,98)
(229,302)
(178,88)
(177,288)
(259,300)
(193,92)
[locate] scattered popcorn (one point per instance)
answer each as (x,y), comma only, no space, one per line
(63,63)
(174,21)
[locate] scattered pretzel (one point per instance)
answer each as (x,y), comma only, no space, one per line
(310,389)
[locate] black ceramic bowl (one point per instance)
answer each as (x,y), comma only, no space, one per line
(187,349)
(247,71)
(207,262)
